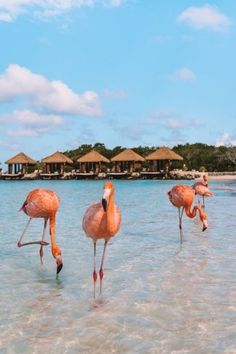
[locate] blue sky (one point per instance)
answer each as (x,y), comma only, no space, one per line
(121,72)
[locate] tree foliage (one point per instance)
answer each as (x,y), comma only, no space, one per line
(196,156)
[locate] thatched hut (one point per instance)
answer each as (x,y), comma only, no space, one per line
(92,161)
(55,163)
(19,164)
(161,159)
(127,160)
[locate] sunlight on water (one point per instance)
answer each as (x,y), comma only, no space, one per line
(159,296)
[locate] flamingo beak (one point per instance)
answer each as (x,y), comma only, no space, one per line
(105,198)
(59,264)
(204,225)
(104,204)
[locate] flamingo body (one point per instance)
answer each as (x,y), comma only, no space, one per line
(96,224)
(182,196)
(43,203)
(201,188)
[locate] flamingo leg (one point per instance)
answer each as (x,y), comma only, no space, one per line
(43,240)
(180,217)
(203,201)
(94,271)
(101,273)
(19,244)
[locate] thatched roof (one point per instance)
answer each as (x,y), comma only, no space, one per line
(21,158)
(93,156)
(128,155)
(57,157)
(164,153)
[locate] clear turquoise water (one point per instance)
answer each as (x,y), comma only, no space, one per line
(159,296)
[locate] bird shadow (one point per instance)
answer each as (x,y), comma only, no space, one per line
(98,303)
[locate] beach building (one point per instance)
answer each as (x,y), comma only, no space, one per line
(127,162)
(54,165)
(160,160)
(19,165)
(92,163)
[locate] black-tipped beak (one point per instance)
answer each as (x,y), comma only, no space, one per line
(204,228)
(59,268)
(104,204)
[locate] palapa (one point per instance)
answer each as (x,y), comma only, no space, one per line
(57,157)
(22,159)
(127,155)
(93,156)
(164,153)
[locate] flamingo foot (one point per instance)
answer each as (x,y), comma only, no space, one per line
(42,243)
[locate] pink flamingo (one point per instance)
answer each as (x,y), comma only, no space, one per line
(102,221)
(182,197)
(201,188)
(43,203)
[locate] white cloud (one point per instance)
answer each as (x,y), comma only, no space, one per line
(10,9)
(51,96)
(205,17)
(169,121)
(226,140)
(26,132)
(30,123)
(32,119)
(184,74)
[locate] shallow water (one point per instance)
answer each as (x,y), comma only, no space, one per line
(159,296)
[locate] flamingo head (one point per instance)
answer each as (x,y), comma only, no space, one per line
(204,225)
(59,263)
(205,178)
(203,217)
(56,252)
(204,222)
(107,192)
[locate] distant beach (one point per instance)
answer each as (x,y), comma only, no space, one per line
(221,177)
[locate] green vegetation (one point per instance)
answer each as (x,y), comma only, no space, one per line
(196,156)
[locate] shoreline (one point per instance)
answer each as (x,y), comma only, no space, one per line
(222,177)
(211,178)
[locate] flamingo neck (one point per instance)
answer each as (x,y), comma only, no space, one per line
(56,251)
(192,214)
(110,214)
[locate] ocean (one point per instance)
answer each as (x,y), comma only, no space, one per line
(159,295)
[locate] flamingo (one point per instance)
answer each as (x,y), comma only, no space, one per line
(102,221)
(43,203)
(182,196)
(201,188)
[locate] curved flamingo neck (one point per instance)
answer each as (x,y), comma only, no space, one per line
(56,251)
(192,214)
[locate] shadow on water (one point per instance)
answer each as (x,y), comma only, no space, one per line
(98,303)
